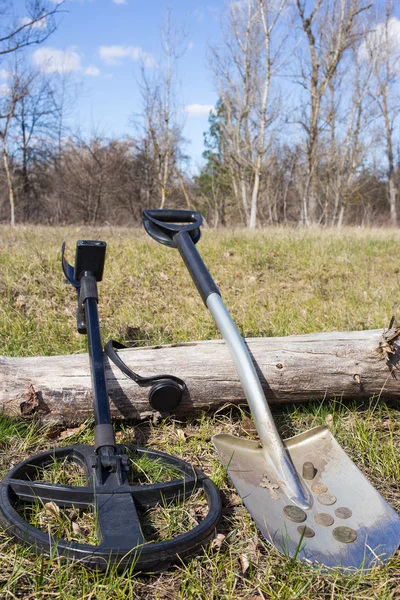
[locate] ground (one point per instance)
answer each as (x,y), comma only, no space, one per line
(275,282)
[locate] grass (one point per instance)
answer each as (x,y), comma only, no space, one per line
(275,282)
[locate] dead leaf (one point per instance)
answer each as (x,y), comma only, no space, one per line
(329,420)
(217,542)
(52,509)
(248,425)
(156,419)
(234,500)
(53,432)
(201,511)
(75,527)
(249,557)
(20,302)
(70,432)
(244,563)
(191,514)
(181,435)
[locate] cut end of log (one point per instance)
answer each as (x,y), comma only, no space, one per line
(389,347)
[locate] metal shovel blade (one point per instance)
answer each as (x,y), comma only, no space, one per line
(349,525)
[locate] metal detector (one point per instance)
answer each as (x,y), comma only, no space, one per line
(305,494)
(118,505)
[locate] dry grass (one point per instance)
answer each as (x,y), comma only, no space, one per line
(275,282)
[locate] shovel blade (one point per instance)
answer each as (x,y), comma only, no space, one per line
(349,525)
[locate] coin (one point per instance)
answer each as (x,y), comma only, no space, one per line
(294,513)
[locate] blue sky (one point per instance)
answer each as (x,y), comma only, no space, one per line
(100,41)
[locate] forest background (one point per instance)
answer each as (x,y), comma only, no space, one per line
(305,129)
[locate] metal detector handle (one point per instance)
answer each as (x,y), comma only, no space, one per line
(181,229)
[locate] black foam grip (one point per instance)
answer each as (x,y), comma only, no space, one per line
(195,265)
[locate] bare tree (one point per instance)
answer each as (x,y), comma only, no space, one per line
(243,70)
(382,48)
(162,121)
(17,90)
(28,120)
(349,114)
(33,27)
(16,33)
(330,28)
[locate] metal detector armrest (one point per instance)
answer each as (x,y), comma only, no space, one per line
(89,258)
(88,269)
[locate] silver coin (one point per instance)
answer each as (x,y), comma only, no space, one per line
(344,534)
(294,513)
(324,519)
(327,499)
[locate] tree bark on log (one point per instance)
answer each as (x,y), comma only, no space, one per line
(349,365)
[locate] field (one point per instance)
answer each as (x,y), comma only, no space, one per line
(275,282)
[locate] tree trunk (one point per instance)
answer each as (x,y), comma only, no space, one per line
(341,216)
(392,201)
(254,198)
(349,365)
(10,187)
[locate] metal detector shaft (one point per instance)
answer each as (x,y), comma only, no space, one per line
(104,432)
(87,271)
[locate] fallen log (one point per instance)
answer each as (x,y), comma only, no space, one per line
(350,365)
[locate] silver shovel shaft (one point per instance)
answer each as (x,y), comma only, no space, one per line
(263,419)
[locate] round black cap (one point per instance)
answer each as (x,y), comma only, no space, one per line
(165,396)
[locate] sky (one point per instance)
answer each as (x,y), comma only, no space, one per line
(101,43)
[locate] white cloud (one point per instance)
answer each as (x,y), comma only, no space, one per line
(4,74)
(52,60)
(374,44)
(92,71)
(114,55)
(190,45)
(39,24)
(4,90)
(198,110)
(120,1)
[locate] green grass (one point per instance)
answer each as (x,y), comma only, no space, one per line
(275,282)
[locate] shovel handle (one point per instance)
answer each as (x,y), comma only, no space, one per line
(276,453)
(181,229)
(163,224)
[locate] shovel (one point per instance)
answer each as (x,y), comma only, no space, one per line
(305,494)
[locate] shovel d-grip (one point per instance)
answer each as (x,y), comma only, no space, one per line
(118,505)
(305,494)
